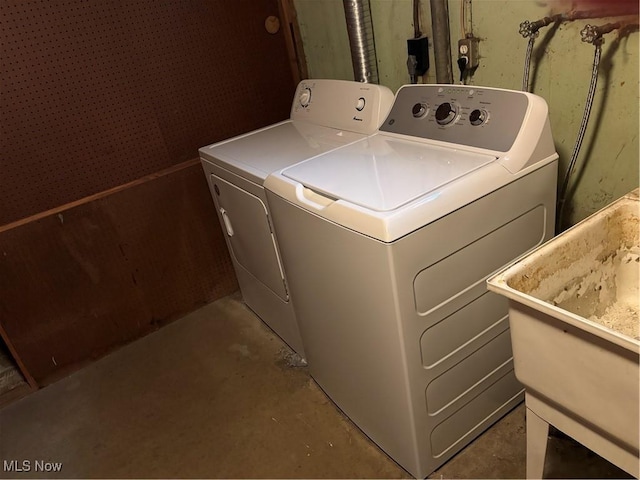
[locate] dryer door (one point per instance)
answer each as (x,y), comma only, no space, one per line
(245,221)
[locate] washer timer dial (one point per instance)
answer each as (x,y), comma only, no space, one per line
(446,113)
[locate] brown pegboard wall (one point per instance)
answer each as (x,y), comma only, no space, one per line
(94,94)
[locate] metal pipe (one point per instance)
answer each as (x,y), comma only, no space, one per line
(441,40)
(531,30)
(527,28)
(593,34)
(363,50)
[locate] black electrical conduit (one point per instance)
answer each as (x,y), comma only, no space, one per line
(416,19)
(412,61)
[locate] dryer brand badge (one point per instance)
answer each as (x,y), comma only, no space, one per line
(357,119)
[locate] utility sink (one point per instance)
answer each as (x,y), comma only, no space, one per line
(575,332)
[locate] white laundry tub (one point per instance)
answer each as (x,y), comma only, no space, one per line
(576,335)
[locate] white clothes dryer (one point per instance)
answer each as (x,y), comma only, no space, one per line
(387,244)
(325,115)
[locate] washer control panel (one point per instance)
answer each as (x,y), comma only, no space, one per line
(462,114)
(353,106)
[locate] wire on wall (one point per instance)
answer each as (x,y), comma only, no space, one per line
(417,33)
(417,48)
(466,20)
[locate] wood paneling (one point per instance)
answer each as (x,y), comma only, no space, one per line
(105,232)
(82,280)
(295,47)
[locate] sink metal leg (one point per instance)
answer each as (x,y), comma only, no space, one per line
(537,435)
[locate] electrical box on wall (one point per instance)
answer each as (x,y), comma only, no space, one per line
(468,50)
(418,51)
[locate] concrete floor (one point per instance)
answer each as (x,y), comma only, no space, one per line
(213,395)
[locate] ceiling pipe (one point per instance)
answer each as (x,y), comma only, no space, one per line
(441,40)
(363,50)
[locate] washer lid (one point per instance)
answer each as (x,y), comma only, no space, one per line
(383,173)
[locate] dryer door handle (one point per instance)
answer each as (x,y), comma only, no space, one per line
(227,222)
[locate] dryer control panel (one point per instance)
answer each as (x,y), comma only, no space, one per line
(480,117)
(353,106)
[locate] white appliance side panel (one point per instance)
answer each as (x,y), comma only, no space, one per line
(382,173)
(362,331)
(470,373)
(472,419)
(449,314)
(345,302)
(445,338)
(475,261)
(245,222)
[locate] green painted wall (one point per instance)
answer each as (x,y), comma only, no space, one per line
(608,164)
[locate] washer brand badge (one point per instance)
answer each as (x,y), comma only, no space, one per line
(357,119)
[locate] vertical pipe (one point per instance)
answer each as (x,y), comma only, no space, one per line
(441,40)
(363,50)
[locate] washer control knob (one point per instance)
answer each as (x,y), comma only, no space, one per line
(478,117)
(419,110)
(305,97)
(360,104)
(446,113)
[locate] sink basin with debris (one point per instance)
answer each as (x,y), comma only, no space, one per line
(575,330)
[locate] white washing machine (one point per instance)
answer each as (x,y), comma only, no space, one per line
(325,114)
(387,244)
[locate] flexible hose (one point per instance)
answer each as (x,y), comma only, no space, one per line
(361,40)
(530,30)
(581,132)
(527,63)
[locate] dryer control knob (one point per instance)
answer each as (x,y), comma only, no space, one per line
(360,104)
(305,97)
(478,117)
(446,113)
